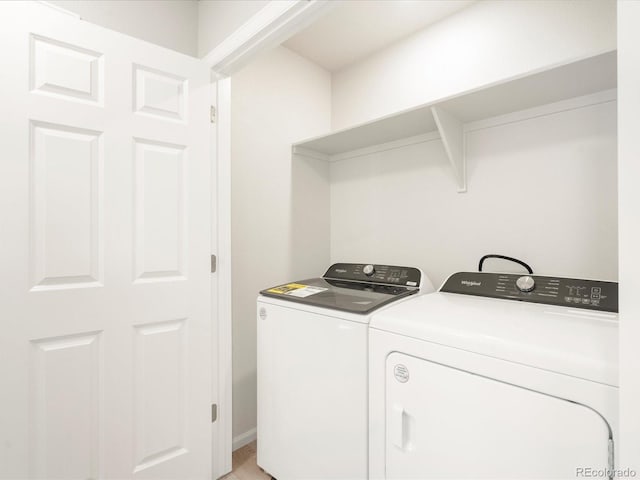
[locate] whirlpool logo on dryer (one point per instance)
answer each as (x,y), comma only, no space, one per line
(470,283)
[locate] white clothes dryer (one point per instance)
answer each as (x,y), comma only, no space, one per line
(496,376)
(312,368)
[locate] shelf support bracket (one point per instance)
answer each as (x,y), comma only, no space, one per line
(452,134)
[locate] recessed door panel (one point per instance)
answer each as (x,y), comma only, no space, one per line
(66,206)
(160,392)
(159,94)
(65,391)
(160,221)
(68,71)
(447,423)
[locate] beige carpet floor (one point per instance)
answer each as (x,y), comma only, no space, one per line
(244,465)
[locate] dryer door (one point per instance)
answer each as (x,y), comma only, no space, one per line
(442,422)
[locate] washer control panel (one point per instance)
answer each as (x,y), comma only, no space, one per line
(367,272)
(567,292)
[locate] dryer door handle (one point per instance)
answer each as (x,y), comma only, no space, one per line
(396,427)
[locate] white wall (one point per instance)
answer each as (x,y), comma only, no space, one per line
(481,44)
(277,99)
(170,23)
(542,190)
(629,218)
(217,19)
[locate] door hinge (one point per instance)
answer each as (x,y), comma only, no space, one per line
(213,114)
(214,261)
(214,412)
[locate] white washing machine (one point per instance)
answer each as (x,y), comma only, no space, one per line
(496,376)
(312,368)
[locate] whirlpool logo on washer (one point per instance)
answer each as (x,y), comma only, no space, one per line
(401,372)
(470,283)
(263,313)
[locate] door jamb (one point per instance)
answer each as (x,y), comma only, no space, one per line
(221,214)
(268,28)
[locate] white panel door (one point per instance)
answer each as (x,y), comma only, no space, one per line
(442,422)
(104,262)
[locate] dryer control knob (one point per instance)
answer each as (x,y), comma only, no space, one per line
(369,270)
(526,283)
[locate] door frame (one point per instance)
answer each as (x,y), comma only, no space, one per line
(222,382)
(269,27)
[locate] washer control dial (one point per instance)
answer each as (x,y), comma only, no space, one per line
(368,270)
(525,283)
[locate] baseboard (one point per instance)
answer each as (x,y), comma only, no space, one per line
(243,439)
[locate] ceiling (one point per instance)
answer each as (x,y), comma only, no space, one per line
(354,29)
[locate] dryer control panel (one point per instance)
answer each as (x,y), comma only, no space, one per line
(386,274)
(566,292)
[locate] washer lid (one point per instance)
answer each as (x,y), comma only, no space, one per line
(580,343)
(343,295)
